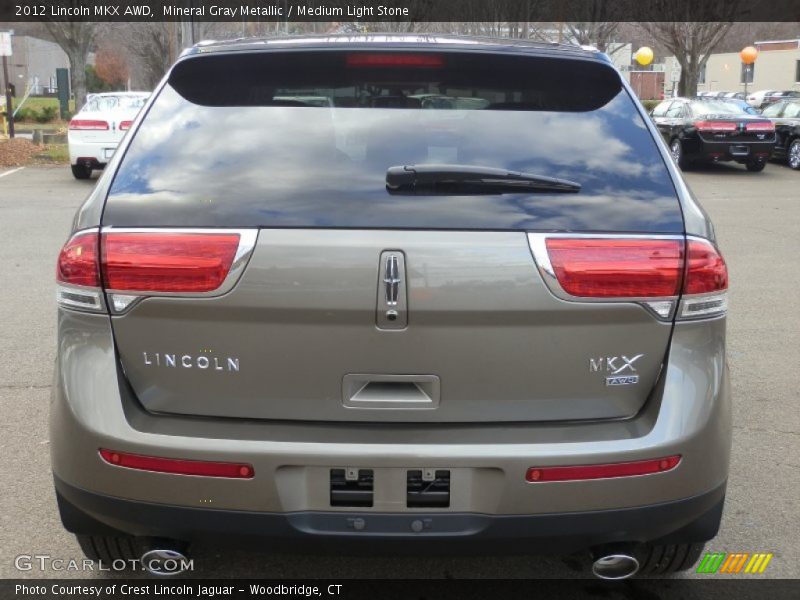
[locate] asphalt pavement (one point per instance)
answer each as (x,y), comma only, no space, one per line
(757,216)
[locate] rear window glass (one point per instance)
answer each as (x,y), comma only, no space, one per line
(792,110)
(103,103)
(661,109)
(716,107)
(773,110)
(304,139)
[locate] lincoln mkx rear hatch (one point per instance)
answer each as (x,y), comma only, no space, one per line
(343,235)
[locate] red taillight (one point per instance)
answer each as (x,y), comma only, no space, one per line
(760,126)
(77,262)
(617,268)
(167,262)
(178,466)
(87,124)
(705,269)
(369,59)
(125,125)
(582,472)
(720,126)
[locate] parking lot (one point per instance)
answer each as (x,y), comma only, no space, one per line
(757,216)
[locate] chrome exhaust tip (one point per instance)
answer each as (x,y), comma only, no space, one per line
(166,562)
(615,566)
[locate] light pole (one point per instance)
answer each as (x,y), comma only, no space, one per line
(5,51)
(748,56)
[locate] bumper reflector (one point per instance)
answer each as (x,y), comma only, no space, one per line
(178,466)
(581,472)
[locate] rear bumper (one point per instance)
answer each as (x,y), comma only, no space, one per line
(691,520)
(91,154)
(736,151)
(688,414)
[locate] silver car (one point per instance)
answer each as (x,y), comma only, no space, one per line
(378,323)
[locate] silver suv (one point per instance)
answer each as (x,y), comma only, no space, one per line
(307,303)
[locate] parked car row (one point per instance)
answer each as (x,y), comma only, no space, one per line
(785,115)
(721,130)
(763,98)
(736,95)
(758,100)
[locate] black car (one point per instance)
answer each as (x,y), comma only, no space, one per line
(713,130)
(785,115)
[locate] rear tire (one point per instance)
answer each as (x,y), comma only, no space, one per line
(81,172)
(670,558)
(755,166)
(110,549)
(676,150)
(107,549)
(793,155)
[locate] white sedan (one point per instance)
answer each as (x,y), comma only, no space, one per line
(95,132)
(756,99)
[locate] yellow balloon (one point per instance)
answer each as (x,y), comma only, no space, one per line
(644,56)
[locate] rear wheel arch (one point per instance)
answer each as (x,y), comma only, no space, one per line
(793,145)
(678,152)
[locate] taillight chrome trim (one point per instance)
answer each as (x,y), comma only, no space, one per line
(703,306)
(121,301)
(682,307)
(663,308)
(708,305)
(80,297)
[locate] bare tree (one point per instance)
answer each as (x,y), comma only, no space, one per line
(391,27)
(595,22)
(76,38)
(153,47)
(691,32)
(745,34)
(592,33)
(111,66)
(692,45)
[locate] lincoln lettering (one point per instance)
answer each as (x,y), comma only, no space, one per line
(204,362)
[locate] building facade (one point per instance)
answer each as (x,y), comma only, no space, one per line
(776,68)
(33,64)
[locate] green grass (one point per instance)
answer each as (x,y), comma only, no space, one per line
(650,104)
(26,122)
(39,103)
(28,127)
(57,153)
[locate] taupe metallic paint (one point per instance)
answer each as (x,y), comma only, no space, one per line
(303,316)
(688,414)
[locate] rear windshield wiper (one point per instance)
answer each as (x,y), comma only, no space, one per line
(468,179)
